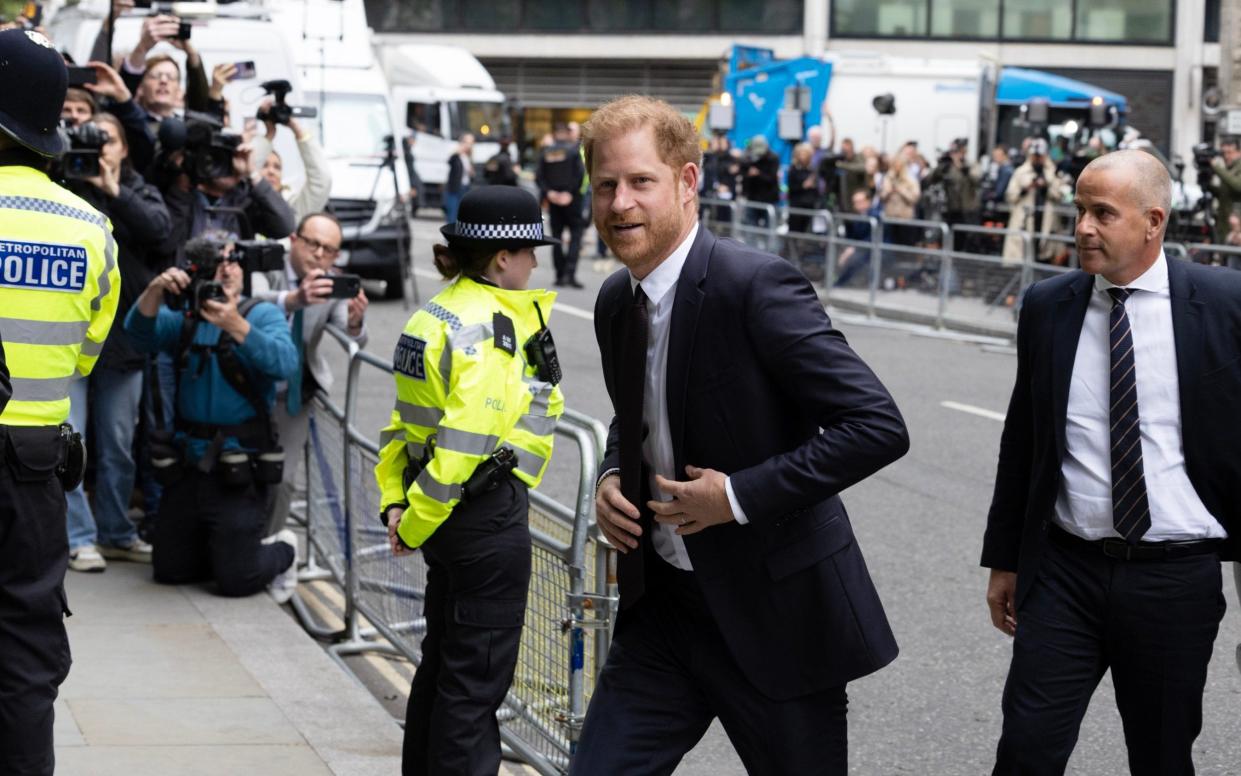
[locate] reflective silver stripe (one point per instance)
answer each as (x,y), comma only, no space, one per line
(91,348)
(40,388)
(539,425)
(466,442)
(527,462)
(385,437)
(469,336)
(418,414)
(109,261)
(26,332)
(446,366)
(433,489)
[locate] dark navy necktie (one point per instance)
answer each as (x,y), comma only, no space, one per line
(630,567)
(1131,514)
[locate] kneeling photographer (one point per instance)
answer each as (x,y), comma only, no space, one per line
(204,174)
(230,352)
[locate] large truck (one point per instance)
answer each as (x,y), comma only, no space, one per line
(357,125)
(885,101)
(442,92)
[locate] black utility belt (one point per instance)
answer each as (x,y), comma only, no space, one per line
(487,476)
(1119,549)
(37,453)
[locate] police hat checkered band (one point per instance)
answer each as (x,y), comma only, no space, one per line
(500,231)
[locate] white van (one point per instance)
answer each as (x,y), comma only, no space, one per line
(442,92)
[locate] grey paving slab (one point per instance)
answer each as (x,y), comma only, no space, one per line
(153,661)
(190,761)
(125,594)
(345,725)
(65,731)
(182,721)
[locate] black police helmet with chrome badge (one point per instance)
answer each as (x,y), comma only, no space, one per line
(503,217)
(33,80)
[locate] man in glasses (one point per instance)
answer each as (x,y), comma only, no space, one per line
(304,291)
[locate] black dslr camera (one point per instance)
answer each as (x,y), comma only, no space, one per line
(81,157)
(1204,155)
(208,150)
(281,111)
(203,257)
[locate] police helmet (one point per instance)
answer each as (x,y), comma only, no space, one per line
(33,80)
(501,217)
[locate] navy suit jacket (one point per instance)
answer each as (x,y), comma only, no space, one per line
(762,388)
(1206,328)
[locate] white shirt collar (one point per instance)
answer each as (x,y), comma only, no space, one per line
(661,279)
(1155,278)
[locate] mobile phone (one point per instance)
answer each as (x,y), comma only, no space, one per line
(345,286)
(82,75)
(245,70)
(183,31)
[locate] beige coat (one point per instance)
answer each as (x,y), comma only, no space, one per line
(899,195)
(1021,196)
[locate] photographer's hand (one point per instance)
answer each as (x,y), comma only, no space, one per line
(108,83)
(154,29)
(315,288)
(357,313)
(171,281)
(221,74)
(265,108)
(226,316)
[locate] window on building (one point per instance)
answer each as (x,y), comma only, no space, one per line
(486,15)
(606,15)
(1210,32)
(883,18)
(387,16)
(1125,20)
(965,18)
(685,15)
(1038,19)
(761,15)
(552,14)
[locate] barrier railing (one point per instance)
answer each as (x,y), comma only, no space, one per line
(572,588)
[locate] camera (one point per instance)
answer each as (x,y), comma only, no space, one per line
(203,257)
(83,143)
(208,150)
(259,255)
(1204,155)
(281,111)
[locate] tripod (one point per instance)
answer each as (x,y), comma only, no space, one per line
(403,256)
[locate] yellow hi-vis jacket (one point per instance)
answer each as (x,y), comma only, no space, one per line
(462,375)
(59,285)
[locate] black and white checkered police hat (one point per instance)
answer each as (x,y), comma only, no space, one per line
(498,216)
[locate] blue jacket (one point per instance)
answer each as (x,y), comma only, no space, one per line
(203,395)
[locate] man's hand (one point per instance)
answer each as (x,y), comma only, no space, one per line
(108,83)
(615,516)
(394,541)
(221,74)
(154,29)
(1001,595)
(265,109)
(357,312)
(315,288)
(108,180)
(697,504)
(170,281)
(226,316)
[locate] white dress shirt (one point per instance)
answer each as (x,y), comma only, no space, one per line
(1084,503)
(660,289)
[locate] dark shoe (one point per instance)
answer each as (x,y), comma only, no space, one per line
(575,284)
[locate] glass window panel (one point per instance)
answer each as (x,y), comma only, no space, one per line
(609,15)
(881,18)
(1210,32)
(762,15)
(965,18)
(685,15)
(1125,20)
(486,15)
(553,15)
(1038,19)
(405,16)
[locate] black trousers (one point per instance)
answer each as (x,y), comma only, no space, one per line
(210,531)
(478,575)
(669,673)
(34,648)
(1153,623)
(563,217)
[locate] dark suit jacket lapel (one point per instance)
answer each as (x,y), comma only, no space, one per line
(686,306)
(616,331)
(1188,335)
(1070,311)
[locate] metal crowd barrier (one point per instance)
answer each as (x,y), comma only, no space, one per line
(572,588)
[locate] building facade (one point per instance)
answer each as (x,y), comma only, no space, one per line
(558,58)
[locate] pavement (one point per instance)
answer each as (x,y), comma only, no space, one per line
(176,680)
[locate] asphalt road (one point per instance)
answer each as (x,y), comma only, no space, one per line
(936,710)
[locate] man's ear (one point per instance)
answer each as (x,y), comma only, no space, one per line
(690,173)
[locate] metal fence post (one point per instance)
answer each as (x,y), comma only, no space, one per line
(876,262)
(946,245)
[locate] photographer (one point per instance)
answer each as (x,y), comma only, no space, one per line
(156,81)
(230,354)
(312,197)
(140,225)
(760,183)
(1034,187)
(311,299)
(116,98)
(1226,186)
(209,187)
(960,182)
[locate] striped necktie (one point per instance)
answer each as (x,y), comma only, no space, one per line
(1131,514)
